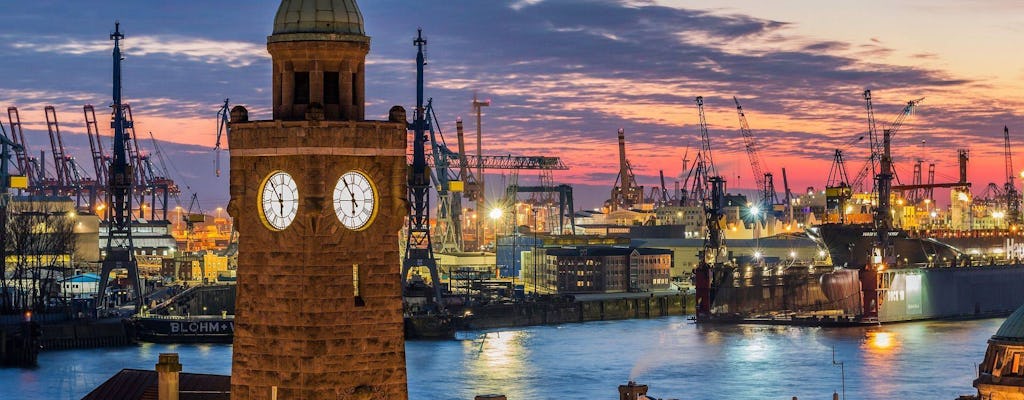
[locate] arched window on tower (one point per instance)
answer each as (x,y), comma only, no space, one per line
(301,93)
(332,88)
(355,89)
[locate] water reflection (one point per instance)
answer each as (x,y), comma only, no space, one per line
(676,358)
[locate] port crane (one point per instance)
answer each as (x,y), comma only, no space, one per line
(453,180)
(27,166)
(100,161)
(872,166)
(223,129)
(710,187)
(1010,189)
(764,180)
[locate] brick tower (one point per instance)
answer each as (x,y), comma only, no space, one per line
(318,196)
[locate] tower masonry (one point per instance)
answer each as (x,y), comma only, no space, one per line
(318,196)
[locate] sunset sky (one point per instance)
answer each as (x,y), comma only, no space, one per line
(563,76)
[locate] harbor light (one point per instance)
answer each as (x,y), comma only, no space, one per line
(792,254)
(821,253)
(757,255)
(495,213)
(755,211)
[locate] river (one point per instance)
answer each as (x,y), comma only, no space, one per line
(677,359)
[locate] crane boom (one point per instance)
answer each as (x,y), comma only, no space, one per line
(877,145)
(1010,190)
(705,141)
(223,129)
(750,145)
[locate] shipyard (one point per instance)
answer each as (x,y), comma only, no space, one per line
(337,199)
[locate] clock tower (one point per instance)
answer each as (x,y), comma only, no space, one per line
(318,198)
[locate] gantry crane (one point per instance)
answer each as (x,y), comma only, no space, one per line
(100,161)
(27,166)
(60,163)
(764,180)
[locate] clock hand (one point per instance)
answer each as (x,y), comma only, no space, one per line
(280,200)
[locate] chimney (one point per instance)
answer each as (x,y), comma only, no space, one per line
(167,376)
(632,391)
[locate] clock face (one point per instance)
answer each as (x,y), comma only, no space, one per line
(355,200)
(278,200)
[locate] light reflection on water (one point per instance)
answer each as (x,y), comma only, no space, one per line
(674,357)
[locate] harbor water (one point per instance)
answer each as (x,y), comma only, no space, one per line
(677,359)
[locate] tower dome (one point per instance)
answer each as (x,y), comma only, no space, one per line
(318,16)
(1013,328)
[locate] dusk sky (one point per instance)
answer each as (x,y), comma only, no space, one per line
(563,77)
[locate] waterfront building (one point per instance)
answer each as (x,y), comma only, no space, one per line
(599,269)
(318,196)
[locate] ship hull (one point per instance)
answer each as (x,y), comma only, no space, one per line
(827,296)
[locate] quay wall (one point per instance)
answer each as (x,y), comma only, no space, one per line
(84,334)
(545,313)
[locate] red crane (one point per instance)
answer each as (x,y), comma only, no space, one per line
(100,162)
(61,164)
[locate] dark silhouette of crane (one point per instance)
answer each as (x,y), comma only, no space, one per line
(120,248)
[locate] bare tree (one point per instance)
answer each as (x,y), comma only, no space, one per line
(40,236)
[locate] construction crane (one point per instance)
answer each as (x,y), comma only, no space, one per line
(1010,190)
(765,181)
(223,129)
(872,165)
(120,247)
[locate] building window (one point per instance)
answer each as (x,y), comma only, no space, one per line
(301,92)
(355,286)
(331,95)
